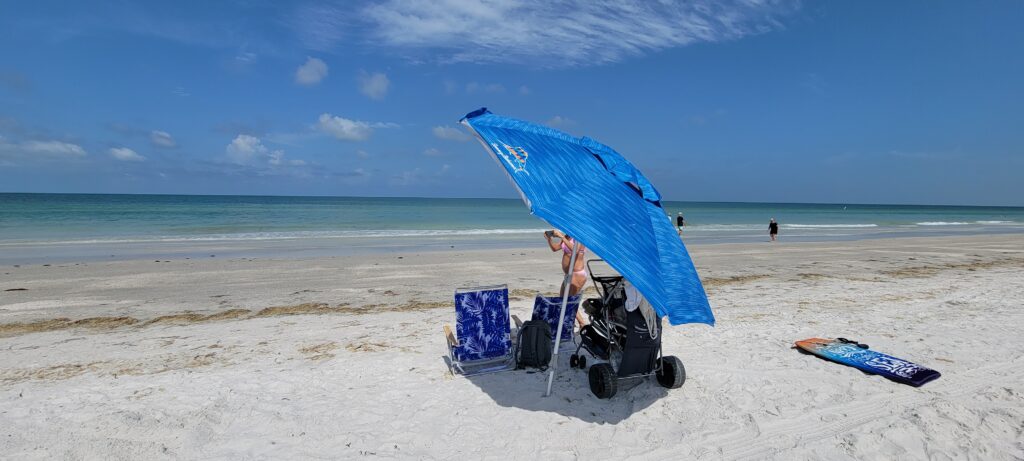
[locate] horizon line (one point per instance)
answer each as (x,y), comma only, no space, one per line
(507,198)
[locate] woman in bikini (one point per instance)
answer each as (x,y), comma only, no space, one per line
(579,273)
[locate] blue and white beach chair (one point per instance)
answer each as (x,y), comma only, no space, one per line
(547,308)
(484,342)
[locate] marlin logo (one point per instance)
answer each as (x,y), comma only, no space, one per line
(514,156)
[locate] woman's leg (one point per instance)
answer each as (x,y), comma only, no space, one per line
(581,319)
(578,281)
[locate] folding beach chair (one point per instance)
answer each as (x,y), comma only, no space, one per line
(484,342)
(548,307)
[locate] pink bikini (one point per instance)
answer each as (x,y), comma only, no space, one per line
(567,250)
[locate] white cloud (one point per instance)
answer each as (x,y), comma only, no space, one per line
(13,153)
(451,134)
(524,90)
(54,148)
(161,139)
(244,149)
(343,128)
(254,157)
(432,152)
(249,150)
(245,57)
(180,92)
(566,32)
(311,73)
(375,85)
(275,157)
(453,87)
(125,154)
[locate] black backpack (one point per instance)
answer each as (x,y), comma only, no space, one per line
(533,347)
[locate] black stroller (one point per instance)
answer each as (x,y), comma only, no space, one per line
(622,340)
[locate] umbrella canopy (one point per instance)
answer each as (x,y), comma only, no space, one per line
(595,195)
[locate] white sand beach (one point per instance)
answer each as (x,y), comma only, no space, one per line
(343,358)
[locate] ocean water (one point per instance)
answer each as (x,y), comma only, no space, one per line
(55,226)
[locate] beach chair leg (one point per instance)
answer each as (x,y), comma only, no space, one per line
(452,342)
(450,337)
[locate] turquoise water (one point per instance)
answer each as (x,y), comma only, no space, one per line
(64,222)
(74,217)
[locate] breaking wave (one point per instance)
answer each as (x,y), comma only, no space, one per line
(827,226)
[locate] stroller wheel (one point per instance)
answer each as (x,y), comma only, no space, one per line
(672,373)
(574,361)
(602,381)
(582,363)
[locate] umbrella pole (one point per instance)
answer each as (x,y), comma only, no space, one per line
(561,315)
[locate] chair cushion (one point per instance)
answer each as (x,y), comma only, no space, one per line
(547,308)
(482,324)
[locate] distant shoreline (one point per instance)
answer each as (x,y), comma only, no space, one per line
(300,249)
(668,202)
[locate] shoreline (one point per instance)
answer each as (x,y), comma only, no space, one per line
(99,285)
(15,253)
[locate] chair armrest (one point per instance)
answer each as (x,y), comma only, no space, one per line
(519,323)
(452,342)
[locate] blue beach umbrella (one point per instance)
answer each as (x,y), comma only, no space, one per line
(594,194)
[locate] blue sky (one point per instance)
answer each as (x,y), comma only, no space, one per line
(849,102)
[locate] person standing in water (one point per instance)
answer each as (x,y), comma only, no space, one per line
(773,229)
(680,223)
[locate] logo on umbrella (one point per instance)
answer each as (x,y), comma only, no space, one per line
(514,156)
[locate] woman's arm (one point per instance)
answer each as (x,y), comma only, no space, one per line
(551,243)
